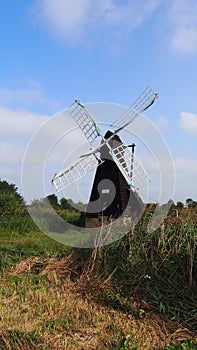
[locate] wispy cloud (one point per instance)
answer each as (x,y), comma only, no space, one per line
(17,128)
(186,170)
(188,122)
(29,97)
(18,123)
(41,140)
(181,26)
(162,123)
(81,20)
(10,155)
(71,20)
(67,19)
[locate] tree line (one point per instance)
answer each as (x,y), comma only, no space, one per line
(11,202)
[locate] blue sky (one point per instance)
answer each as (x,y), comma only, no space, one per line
(101,51)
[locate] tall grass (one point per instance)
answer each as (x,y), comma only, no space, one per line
(160,266)
(21,224)
(43,307)
(137,293)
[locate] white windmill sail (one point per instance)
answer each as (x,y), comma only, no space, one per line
(132,171)
(130,168)
(76,170)
(145,100)
(85,121)
(140,177)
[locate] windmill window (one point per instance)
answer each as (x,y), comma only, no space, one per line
(105,190)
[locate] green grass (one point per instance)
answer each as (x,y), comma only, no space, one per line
(160,267)
(17,340)
(138,293)
(20,238)
(128,344)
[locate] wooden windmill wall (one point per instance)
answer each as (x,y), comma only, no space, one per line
(109,183)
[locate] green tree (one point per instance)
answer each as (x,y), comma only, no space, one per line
(179,205)
(170,203)
(53,200)
(64,204)
(10,200)
(190,203)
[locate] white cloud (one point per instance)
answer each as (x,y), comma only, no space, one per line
(188,122)
(186,170)
(70,20)
(162,123)
(82,20)
(18,123)
(186,165)
(27,97)
(50,146)
(10,155)
(17,127)
(182,25)
(185,178)
(66,18)
(8,96)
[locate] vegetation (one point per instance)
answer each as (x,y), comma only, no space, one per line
(137,293)
(10,200)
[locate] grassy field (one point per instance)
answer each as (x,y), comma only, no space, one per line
(138,293)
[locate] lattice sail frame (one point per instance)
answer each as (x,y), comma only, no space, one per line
(132,171)
(85,121)
(145,100)
(134,174)
(76,171)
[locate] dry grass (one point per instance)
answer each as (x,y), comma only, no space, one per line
(47,304)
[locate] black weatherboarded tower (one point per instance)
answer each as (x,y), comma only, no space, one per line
(111,195)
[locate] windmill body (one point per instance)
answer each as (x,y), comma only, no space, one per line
(118,174)
(111,196)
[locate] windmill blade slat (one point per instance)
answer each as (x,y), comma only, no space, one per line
(76,171)
(85,121)
(140,177)
(132,171)
(145,100)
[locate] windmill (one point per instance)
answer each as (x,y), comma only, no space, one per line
(119,176)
